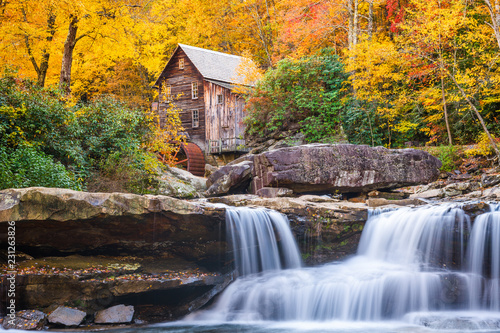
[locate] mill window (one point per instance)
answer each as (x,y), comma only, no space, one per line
(194,90)
(196,118)
(220,99)
(166,93)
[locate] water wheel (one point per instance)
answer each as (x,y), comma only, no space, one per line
(191,157)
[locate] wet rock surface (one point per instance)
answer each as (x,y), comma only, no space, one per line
(67,316)
(379,202)
(26,320)
(231,178)
(490,180)
(456,322)
(180,183)
(325,228)
(274,192)
(92,284)
(459,187)
(118,314)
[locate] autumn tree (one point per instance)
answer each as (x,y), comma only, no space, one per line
(433,71)
(379,78)
(428,41)
(312,25)
(436,36)
(493,7)
(28,30)
(99,21)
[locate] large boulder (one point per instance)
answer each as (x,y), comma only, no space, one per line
(232,178)
(343,168)
(180,183)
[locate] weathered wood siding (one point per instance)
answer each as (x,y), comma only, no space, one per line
(180,81)
(223,121)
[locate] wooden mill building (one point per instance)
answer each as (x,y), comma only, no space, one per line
(200,82)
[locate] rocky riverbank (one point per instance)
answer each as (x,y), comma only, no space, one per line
(166,257)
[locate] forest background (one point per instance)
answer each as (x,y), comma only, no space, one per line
(75,92)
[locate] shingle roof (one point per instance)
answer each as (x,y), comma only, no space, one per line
(214,65)
(223,84)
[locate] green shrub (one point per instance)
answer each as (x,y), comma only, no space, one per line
(362,126)
(41,130)
(299,95)
(26,167)
(121,172)
(448,156)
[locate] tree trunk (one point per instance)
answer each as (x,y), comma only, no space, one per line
(445,112)
(370,125)
(44,63)
(494,10)
(67,60)
(370,20)
(41,71)
(478,115)
(350,28)
(265,39)
(355,24)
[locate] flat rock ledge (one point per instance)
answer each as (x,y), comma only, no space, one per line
(42,203)
(54,222)
(328,229)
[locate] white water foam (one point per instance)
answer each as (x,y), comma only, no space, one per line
(261,240)
(484,262)
(409,262)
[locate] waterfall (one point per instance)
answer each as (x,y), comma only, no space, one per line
(410,262)
(430,236)
(484,262)
(261,240)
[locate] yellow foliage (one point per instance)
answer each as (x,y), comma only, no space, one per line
(405,126)
(11,113)
(167,139)
(247,74)
(483,146)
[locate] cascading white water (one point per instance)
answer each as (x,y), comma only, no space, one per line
(261,240)
(410,261)
(429,236)
(484,262)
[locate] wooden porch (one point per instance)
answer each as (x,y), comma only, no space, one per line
(226,145)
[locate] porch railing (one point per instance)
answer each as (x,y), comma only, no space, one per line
(226,145)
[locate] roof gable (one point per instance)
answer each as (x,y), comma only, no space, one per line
(212,65)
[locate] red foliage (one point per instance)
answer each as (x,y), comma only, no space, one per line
(395,14)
